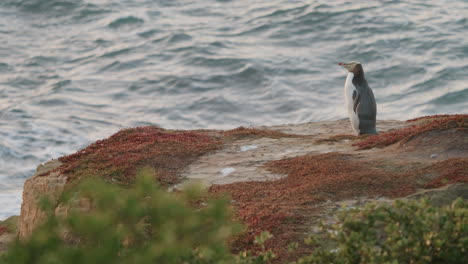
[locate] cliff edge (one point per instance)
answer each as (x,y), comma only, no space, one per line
(283,179)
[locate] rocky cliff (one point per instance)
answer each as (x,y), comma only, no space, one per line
(282,178)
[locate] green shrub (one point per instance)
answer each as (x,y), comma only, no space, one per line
(404,232)
(142,224)
(146,224)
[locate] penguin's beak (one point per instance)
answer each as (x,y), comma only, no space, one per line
(341,64)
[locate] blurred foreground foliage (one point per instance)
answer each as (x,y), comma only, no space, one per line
(105,223)
(402,232)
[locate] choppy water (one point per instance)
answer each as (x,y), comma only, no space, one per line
(73,71)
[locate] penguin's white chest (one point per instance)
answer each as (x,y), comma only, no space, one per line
(349,89)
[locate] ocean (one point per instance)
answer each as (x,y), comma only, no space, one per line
(75,71)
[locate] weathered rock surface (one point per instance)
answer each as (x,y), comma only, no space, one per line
(34,189)
(243,160)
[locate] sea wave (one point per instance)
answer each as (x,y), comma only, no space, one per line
(43,6)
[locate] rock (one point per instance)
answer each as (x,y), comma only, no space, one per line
(47,167)
(241,156)
(249,164)
(36,187)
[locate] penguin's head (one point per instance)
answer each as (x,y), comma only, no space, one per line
(352,66)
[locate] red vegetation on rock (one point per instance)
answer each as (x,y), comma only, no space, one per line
(120,156)
(434,123)
(284,207)
(449,171)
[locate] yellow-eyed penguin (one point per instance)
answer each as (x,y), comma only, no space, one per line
(360,100)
